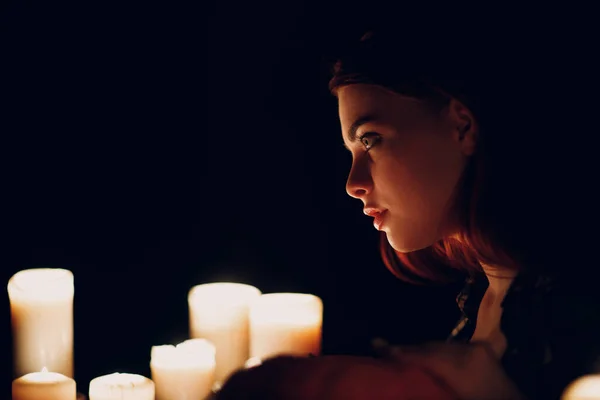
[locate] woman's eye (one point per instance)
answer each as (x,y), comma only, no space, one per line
(369,140)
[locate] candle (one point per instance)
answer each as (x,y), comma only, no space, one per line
(41,306)
(185,371)
(44,386)
(285,323)
(219,313)
(119,386)
(252,362)
(585,388)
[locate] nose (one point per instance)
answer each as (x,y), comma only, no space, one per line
(360,182)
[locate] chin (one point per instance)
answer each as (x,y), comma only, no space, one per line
(409,243)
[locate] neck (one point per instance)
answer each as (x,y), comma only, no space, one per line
(499,279)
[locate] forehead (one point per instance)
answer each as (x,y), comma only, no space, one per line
(359,100)
(362,98)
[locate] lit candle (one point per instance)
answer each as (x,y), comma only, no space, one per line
(185,371)
(119,386)
(585,388)
(286,323)
(44,386)
(41,306)
(219,313)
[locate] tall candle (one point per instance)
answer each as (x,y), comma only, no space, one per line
(119,386)
(585,388)
(41,306)
(286,324)
(44,385)
(185,371)
(219,313)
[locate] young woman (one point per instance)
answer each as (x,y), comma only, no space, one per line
(453,158)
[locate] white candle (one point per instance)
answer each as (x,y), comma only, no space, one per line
(41,306)
(286,324)
(252,362)
(119,386)
(185,371)
(44,386)
(585,388)
(219,313)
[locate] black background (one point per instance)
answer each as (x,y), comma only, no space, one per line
(149,147)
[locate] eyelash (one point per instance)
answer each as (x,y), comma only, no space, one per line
(376,137)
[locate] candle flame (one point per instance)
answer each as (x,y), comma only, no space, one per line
(44,370)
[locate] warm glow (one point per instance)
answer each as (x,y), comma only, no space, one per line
(287,308)
(41,284)
(198,353)
(584,388)
(44,385)
(44,377)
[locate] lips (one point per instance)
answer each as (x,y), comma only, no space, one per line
(378,216)
(378,221)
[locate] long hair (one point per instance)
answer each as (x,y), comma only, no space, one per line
(492,199)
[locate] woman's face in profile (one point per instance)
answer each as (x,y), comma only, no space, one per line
(406,161)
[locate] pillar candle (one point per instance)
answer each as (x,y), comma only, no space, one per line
(119,386)
(285,324)
(252,362)
(41,306)
(44,385)
(585,388)
(185,371)
(219,313)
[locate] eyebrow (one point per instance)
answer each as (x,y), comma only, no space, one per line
(357,124)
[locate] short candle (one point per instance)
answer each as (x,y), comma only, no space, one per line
(41,307)
(286,324)
(119,386)
(219,313)
(44,385)
(185,371)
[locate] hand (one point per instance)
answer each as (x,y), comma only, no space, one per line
(471,370)
(333,378)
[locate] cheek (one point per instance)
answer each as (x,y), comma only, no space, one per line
(418,180)
(418,200)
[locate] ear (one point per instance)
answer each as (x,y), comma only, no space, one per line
(464,126)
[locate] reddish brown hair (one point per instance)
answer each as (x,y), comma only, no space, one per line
(486,219)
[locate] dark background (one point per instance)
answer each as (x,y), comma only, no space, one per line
(149,147)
